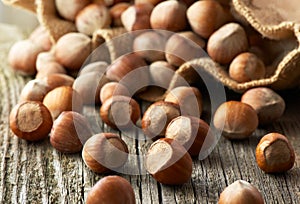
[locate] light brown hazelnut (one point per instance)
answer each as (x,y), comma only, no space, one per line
(246,67)
(241,192)
(189,131)
(34,90)
(161,73)
(189,100)
(30,120)
(41,37)
(46,64)
(99,67)
(116,12)
(235,119)
(275,154)
(111,89)
(268,105)
(56,80)
(227,42)
(120,112)
(184,46)
(22,57)
(169,15)
(69,132)
(89,85)
(72,50)
(137,17)
(206,16)
(105,152)
(63,98)
(150,45)
(168,162)
(113,190)
(69,9)
(92,18)
(157,117)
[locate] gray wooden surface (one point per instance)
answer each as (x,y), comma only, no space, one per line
(36,173)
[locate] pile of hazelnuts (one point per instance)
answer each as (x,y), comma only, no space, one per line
(52,103)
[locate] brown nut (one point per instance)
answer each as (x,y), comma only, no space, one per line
(235,119)
(189,131)
(161,73)
(189,99)
(116,12)
(99,67)
(56,80)
(41,37)
(22,57)
(157,117)
(69,132)
(34,90)
(49,68)
(153,2)
(105,152)
(206,16)
(120,112)
(112,89)
(275,154)
(150,45)
(241,192)
(69,9)
(227,42)
(72,50)
(30,120)
(63,98)
(168,162)
(137,17)
(169,15)
(113,190)
(92,18)
(89,85)
(246,67)
(268,105)
(184,46)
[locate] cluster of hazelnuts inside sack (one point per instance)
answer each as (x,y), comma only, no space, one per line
(52,103)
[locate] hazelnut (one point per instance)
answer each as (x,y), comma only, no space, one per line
(137,17)
(274,153)
(157,117)
(227,42)
(268,105)
(41,37)
(150,45)
(169,15)
(113,190)
(189,99)
(72,50)
(161,73)
(246,67)
(30,120)
(206,16)
(46,64)
(69,132)
(126,69)
(69,9)
(34,90)
(22,57)
(112,89)
(241,192)
(92,18)
(153,2)
(235,119)
(99,67)
(63,98)
(56,80)
(189,131)
(120,112)
(89,85)
(116,12)
(105,152)
(168,162)
(184,46)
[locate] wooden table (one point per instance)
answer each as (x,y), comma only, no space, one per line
(37,173)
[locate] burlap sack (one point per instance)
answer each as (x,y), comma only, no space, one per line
(272,18)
